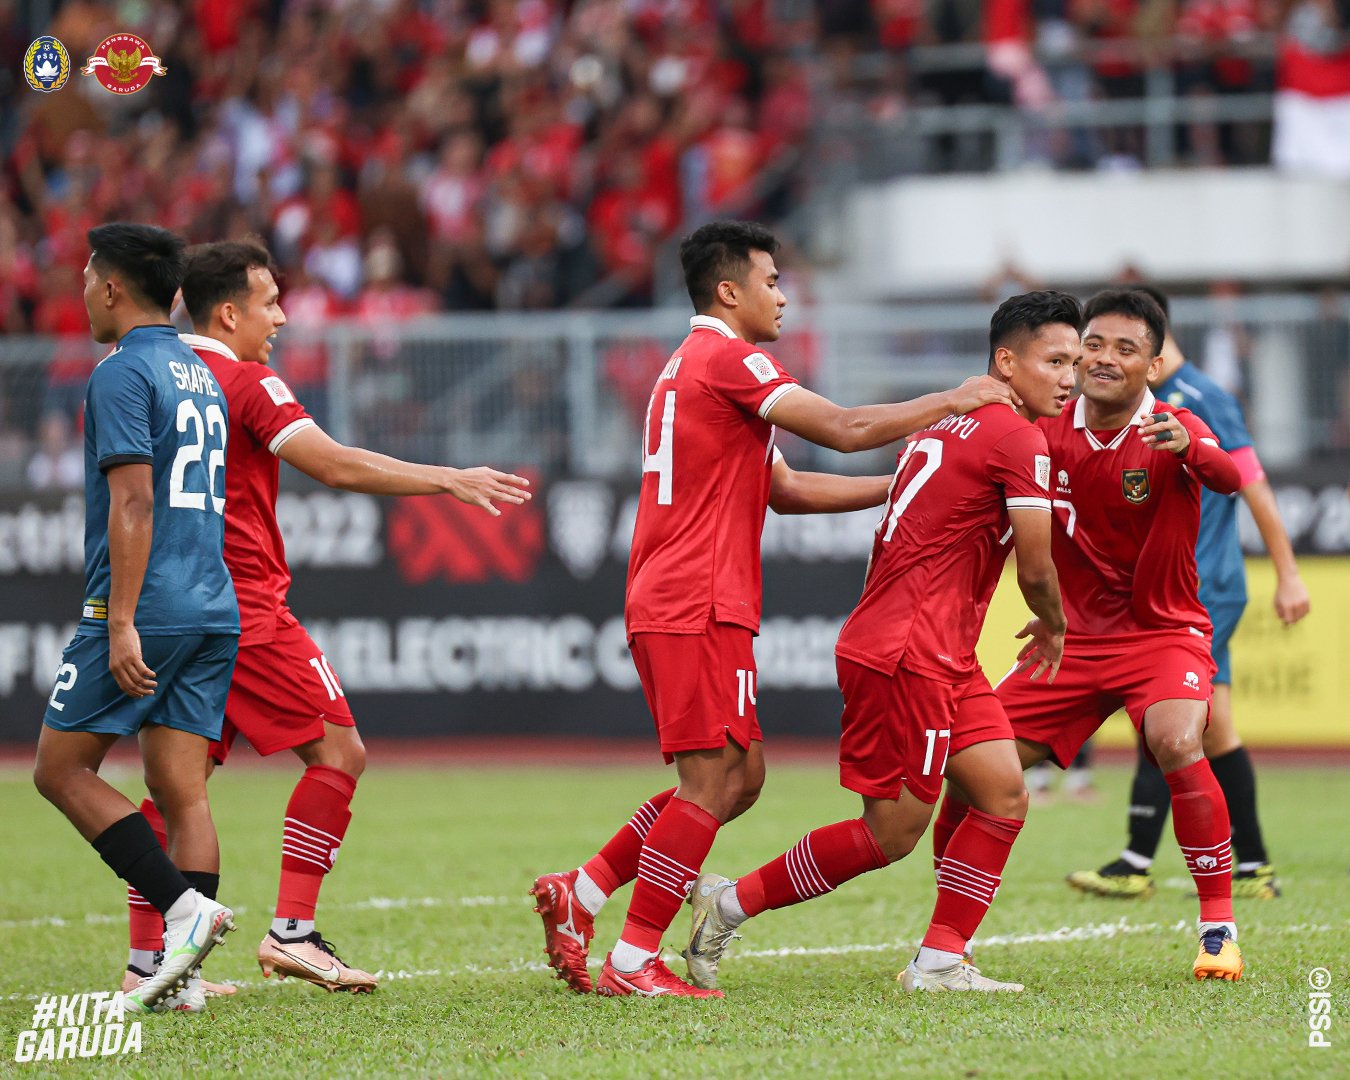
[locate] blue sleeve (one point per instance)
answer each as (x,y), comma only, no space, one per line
(121,399)
(1222,413)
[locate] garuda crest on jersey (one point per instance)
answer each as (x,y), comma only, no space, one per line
(1134,485)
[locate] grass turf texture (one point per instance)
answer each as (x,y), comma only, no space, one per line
(431,887)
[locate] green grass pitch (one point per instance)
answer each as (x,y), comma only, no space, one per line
(430,890)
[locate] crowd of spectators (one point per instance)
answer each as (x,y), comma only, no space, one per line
(411,156)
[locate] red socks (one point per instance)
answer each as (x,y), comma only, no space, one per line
(1200,820)
(143,920)
(968,877)
(316,822)
(949,818)
(821,861)
(676,845)
(616,863)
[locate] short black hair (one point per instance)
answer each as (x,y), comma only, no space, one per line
(219,272)
(1135,304)
(150,261)
(720,251)
(1027,313)
(1159,298)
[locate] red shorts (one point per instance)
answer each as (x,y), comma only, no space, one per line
(1098,677)
(700,688)
(898,730)
(282,694)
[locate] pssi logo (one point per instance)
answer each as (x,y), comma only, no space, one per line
(46,65)
(123,64)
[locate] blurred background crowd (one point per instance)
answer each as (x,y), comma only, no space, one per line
(403,157)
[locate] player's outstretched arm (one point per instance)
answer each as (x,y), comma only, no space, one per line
(868,426)
(1291,595)
(131,519)
(793,492)
(1039,582)
(1186,436)
(350,468)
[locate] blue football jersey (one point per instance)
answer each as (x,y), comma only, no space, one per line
(152,401)
(1218,554)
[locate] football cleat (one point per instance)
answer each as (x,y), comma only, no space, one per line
(568,928)
(314,960)
(1219,957)
(1118,880)
(186,944)
(709,936)
(133,977)
(190,998)
(960,976)
(1258,884)
(653,979)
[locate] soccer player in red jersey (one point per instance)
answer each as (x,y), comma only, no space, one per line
(967,490)
(284,695)
(710,472)
(1126,491)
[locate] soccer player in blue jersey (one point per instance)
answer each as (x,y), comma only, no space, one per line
(1223,591)
(156,643)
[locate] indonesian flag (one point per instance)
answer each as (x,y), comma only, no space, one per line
(1312,111)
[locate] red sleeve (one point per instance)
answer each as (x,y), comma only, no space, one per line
(750,380)
(267,408)
(1020,464)
(1207,461)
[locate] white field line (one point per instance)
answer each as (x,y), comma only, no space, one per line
(1064,934)
(374,903)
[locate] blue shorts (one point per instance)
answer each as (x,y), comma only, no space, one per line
(1225,616)
(192,671)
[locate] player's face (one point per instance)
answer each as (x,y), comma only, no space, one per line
(1043,371)
(1117,358)
(96,306)
(259,318)
(761,300)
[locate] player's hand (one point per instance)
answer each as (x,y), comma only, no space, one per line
(1166,432)
(126,665)
(484,487)
(982,390)
(1043,652)
(1291,600)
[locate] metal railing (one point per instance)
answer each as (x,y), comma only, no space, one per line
(565,394)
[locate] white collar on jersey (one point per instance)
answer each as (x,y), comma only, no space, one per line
(711,322)
(210,344)
(1139,419)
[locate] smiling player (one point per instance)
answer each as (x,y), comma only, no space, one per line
(967,490)
(1128,474)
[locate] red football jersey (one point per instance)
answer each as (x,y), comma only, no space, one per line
(263,414)
(707,457)
(942,541)
(1126,517)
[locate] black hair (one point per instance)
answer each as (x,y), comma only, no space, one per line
(1027,313)
(149,261)
(720,251)
(219,272)
(1158,297)
(1134,304)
